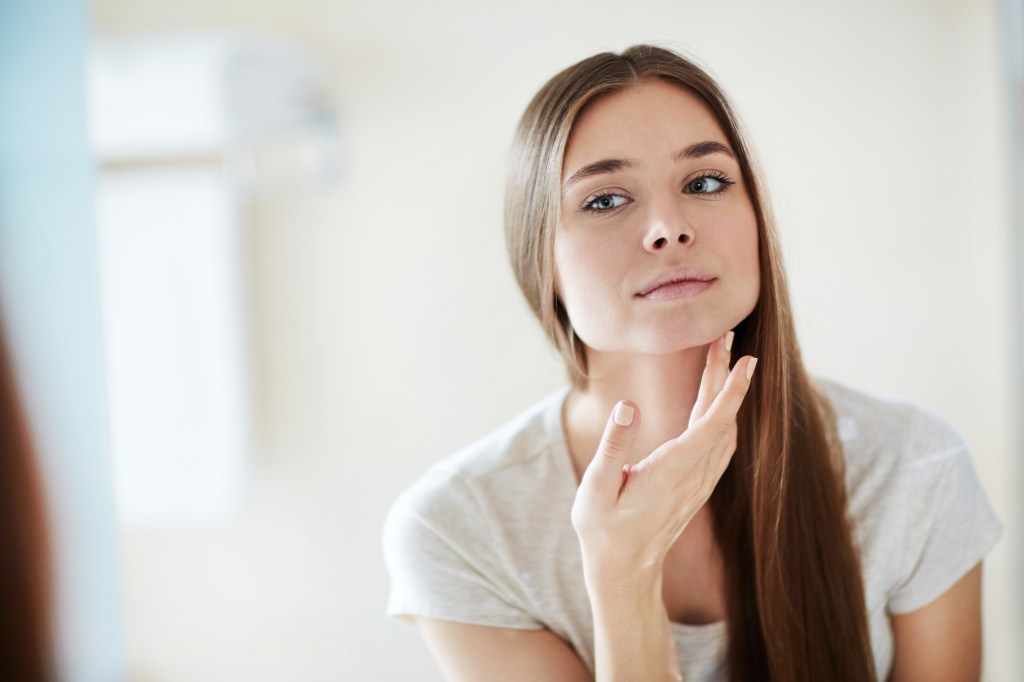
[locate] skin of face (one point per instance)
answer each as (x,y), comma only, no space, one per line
(660,212)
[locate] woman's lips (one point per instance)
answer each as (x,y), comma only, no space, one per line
(679,283)
(671,291)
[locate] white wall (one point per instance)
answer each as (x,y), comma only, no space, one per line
(390,331)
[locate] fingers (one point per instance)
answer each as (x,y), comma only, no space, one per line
(708,445)
(722,414)
(709,432)
(715,373)
(712,435)
(604,476)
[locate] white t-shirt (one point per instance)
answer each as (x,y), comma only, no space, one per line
(485,537)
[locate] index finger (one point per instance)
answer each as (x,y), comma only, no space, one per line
(716,371)
(700,447)
(727,403)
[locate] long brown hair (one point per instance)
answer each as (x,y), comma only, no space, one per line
(25,621)
(795,593)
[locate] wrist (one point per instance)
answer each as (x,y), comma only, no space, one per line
(632,634)
(614,570)
(637,583)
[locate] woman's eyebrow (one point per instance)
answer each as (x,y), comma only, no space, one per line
(706,148)
(693,151)
(598,168)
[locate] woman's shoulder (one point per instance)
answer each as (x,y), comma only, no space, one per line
(520,452)
(458,541)
(900,431)
(920,515)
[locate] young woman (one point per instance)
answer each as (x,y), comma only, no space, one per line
(673,513)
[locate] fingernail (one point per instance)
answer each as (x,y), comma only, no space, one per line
(623,414)
(750,367)
(728,340)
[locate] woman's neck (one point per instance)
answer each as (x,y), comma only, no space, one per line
(664,387)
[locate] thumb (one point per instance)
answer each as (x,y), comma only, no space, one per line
(604,475)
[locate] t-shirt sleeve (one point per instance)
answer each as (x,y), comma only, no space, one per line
(950,523)
(441,561)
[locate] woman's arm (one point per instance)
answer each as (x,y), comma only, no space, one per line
(626,630)
(941,641)
(632,636)
(628,517)
(468,653)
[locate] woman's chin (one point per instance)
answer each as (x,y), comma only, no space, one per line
(658,347)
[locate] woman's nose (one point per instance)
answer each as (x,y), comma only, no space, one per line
(661,242)
(666,228)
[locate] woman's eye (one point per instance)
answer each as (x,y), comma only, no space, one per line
(605,202)
(707,184)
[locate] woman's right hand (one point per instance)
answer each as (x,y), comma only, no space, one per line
(628,517)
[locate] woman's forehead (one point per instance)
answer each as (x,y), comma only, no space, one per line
(653,118)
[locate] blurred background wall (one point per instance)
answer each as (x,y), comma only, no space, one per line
(383,329)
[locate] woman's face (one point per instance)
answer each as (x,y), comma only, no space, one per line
(651,194)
